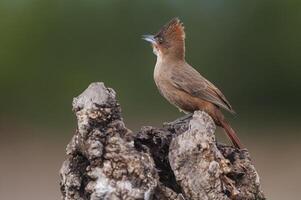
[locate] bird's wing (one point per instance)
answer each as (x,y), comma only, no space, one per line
(190,81)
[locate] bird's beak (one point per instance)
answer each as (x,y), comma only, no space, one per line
(149,38)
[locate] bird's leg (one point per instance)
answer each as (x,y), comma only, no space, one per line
(180,120)
(185,117)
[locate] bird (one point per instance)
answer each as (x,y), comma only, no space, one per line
(181,84)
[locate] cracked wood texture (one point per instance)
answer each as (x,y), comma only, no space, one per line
(180,161)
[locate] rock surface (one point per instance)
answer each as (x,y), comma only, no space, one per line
(182,160)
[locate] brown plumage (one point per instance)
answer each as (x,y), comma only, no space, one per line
(180,83)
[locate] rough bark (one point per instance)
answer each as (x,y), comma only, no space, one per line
(182,160)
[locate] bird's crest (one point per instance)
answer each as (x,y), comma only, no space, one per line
(173,30)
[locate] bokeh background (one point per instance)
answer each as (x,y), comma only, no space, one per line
(50,50)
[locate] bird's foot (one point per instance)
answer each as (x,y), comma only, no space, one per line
(180,120)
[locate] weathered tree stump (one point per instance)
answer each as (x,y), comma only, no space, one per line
(182,160)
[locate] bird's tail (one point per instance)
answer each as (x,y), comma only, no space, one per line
(231,134)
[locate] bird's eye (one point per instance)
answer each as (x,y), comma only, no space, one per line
(160,40)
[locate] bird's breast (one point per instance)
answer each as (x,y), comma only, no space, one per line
(176,96)
(162,77)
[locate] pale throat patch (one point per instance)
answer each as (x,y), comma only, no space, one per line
(155,50)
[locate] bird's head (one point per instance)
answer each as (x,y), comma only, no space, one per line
(169,41)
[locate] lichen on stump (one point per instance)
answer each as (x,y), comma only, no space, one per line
(182,160)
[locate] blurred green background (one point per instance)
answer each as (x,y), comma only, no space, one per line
(50,51)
